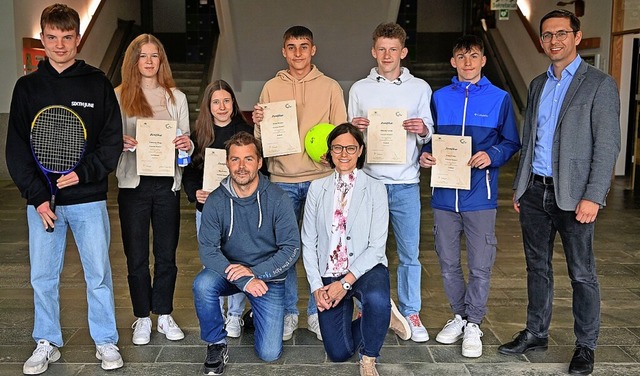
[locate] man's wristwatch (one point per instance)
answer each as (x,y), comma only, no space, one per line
(345,285)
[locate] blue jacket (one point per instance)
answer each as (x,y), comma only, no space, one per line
(259,231)
(485,113)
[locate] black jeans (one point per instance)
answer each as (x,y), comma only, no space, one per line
(541,219)
(154,204)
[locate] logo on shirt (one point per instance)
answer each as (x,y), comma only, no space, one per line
(480,115)
(81,104)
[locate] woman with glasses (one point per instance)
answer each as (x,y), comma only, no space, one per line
(344,235)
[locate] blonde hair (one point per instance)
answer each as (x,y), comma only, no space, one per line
(132,99)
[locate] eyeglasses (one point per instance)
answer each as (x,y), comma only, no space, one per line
(560,36)
(351,149)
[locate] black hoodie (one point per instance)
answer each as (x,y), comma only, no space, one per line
(89,93)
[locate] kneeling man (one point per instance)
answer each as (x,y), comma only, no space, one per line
(248,240)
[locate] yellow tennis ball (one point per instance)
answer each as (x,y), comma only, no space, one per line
(315,141)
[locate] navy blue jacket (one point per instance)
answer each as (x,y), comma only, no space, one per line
(487,115)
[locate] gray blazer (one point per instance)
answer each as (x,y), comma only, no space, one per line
(586,142)
(367,227)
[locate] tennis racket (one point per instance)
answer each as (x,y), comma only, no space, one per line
(58,139)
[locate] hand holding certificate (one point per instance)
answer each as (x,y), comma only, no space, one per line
(386,138)
(279,129)
(215,168)
(452,153)
(155,152)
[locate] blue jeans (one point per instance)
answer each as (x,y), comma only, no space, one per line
(478,228)
(236,303)
(343,337)
(404,214)
(298,194)
(541,219)
(89,224)
(268,313)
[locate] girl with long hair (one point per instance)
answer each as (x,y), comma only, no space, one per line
(148,92)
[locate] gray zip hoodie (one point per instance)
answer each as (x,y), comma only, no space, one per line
(259,231)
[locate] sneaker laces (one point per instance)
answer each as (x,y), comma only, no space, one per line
(108,350)
(450,323)
(288,320)
(170,321)
(140,322)
(43,348)
(214,354)
(473,330)
(235,319)
(368,365)
(414,320)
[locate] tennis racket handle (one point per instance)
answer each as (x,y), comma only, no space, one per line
(52,206)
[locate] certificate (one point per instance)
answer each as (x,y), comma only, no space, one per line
(279,129)
(155,152)
(452,154)
(215,168)
(386,138)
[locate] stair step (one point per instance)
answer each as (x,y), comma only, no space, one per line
(184,82)
(187,75)
(186,67)
(190,90)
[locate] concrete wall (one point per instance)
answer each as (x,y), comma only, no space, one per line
(250,47)
(595,23)
(21,18)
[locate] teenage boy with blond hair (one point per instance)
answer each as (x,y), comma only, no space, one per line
(389,85)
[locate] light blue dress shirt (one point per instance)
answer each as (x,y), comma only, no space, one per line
(548,111)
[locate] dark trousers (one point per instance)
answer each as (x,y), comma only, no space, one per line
(341,336)
(541,219)
(154,204)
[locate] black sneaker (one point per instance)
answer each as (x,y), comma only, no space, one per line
(217,357)
(247,318)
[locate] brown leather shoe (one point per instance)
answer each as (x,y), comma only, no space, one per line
(525,341)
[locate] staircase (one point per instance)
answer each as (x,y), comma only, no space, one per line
(437,75)
(188,78)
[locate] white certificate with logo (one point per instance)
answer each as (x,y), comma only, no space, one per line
(215,168)
(386,138)
(452,154)
(279,129)
(155,152)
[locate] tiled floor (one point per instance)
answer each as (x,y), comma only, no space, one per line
(618,255)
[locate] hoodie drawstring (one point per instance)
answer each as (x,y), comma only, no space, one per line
(231,225)
(259,210)
(259,214)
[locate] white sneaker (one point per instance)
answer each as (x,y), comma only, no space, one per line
(472,344)
(314,326)
(233,326)
(418,331)
(453,330)
(141,331)
(290,324)
(38,362)
(168,327)
(110,356)
(398,323)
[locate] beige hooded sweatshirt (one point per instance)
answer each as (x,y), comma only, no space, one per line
(319,99)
